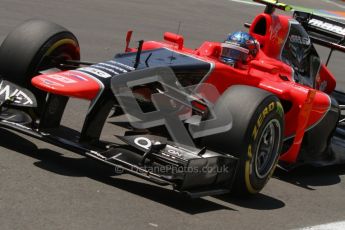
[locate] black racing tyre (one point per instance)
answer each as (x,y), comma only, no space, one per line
(29,48)
(255,138)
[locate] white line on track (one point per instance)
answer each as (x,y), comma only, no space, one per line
(330,226)
(258,4)
(334,3)
(328,1)
(246,2)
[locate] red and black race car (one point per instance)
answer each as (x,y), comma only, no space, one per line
(195,122)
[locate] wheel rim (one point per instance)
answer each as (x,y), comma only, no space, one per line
(267,148)
(51,61)
(64,49)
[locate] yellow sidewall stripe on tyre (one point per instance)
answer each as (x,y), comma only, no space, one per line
(267,110)
(247,171)
(60,43)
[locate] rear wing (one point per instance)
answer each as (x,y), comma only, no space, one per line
(323,31)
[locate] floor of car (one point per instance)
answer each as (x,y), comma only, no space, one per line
(65,132)
(15,116)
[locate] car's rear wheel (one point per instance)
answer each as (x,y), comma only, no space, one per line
(255,137)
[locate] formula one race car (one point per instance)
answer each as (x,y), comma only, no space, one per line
(199,119)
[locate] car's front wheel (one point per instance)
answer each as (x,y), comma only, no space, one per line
(255,137)
(34,46)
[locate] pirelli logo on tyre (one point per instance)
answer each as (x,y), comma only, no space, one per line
(254,177)
(261,118)
(263,115)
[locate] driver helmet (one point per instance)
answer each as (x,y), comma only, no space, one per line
(238,49)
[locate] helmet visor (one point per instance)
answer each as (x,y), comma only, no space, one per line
(234,52)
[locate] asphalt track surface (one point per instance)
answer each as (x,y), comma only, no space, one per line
(45,187)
